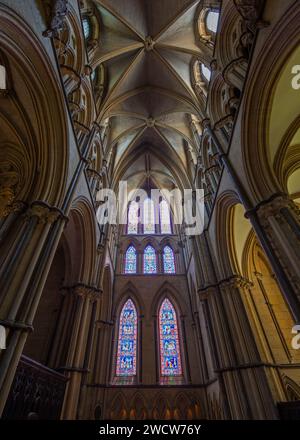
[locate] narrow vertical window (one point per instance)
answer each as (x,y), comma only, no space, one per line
(205,72)
(2,78)
(127,345)
(149,217)
(170,359)
(133,218)
(130,260)
(150,265)
(165,221)
(86,28)
(212,19)
(169,260)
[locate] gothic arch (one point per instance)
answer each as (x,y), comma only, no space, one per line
(167,290)
(82,239)
(183,408)
(41,123)
(224,234)
(265,80)
(161,408)
(138,408)
(129,291)
(118,408)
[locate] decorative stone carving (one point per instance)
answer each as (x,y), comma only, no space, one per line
(9,181)
(251,11)
(44,212)
(59,10)
(149,44)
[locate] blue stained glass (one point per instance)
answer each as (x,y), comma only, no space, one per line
(170,359)
(150,260)
(169,261)
(126,355)
(130,260)
(165,222)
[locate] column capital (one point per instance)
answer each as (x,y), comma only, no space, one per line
(44,212)
(84,291)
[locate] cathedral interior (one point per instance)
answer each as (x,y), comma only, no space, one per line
(143,320)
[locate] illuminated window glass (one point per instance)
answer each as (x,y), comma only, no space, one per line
(165,222)
(86,28)
(149,260)
(149,217)
(206,72)
(170,361)
(133,218)
(93,75)
(130,260)
(126,356)
(169,261)
(2,78)
(212,19)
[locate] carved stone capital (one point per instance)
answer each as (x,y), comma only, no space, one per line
(273,207)
(44,213)
(236,282)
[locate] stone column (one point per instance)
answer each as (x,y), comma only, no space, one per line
(84,296)
(19,294)
(238,362)
(280,218)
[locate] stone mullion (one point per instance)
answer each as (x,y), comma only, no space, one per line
(159,259)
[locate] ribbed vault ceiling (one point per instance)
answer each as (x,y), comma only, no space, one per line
(147,49)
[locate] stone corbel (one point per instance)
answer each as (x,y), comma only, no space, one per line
(44,212)
(251,11)
(57,13)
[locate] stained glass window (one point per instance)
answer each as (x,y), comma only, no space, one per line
(170,360)
(165,222)
(149,260)
(212,21)
(86,28)
(169,261)
(149,217)
(206,72)
(133,218)
(130,260)
(126,356)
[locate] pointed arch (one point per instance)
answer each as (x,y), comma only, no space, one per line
(170,353)
(127,341)
(150,260)
(165,218)
(130,264)
(133,218)
(169,260)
